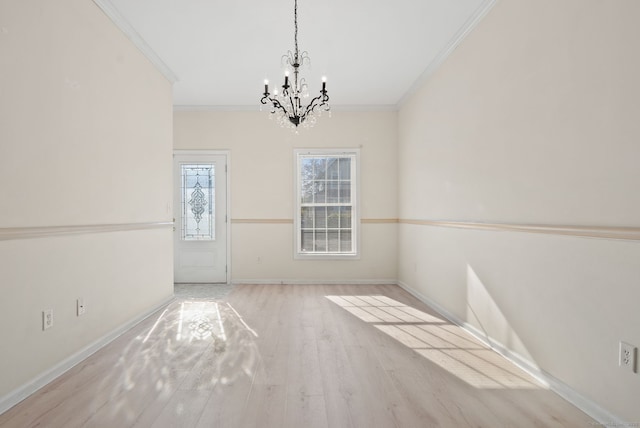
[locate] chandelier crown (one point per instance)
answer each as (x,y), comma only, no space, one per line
(288,106)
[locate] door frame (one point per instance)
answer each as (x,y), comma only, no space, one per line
(227,159)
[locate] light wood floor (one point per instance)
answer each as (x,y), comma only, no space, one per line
(295,356)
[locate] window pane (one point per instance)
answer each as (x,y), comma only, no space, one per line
(333,241)
(345,217)
(306,217)
(345,241)
(198,202)
(321,241)
(320,192)
(319,168)
(333,192)
(321,217)
(307,191)
(306,169)
(345,192)
(307,241)
(332,169)
(345,168)
(333,217)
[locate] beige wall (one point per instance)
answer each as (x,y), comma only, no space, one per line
(262,189)
(85,139)
(533,119)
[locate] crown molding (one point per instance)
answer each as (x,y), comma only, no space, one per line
(116,17)
(462,33)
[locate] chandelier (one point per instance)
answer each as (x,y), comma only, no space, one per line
(289,106)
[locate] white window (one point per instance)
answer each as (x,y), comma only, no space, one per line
(326,217)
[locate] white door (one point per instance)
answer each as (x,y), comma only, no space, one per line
(200,206)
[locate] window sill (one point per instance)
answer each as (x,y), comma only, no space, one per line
(305,256)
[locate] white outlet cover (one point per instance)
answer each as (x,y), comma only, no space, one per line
(47,319)
(627,358)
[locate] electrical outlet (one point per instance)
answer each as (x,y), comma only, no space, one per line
(627,357)
(80,306)
(47,319)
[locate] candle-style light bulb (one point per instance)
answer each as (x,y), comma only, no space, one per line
(266,86)
(324,83)
(286,78)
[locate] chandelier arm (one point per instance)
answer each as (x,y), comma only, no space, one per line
(311,107)
(294,110)
(277,104)
(325,100)
(274,102)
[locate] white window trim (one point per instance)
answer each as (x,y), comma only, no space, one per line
(355,225)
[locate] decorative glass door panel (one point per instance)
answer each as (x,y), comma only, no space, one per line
(200,201)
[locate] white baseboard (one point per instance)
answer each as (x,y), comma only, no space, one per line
(315,281)
(592,409)
(24,391)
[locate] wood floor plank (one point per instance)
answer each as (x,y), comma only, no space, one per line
(305,393)
(265,407)
(295,356)
(183,410)
(227,404)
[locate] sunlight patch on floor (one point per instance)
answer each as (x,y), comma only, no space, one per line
(200,320)
(206,339)
(439,341)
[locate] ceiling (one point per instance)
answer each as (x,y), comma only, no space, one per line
(373,52)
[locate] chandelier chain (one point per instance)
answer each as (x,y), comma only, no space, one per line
(295,24)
